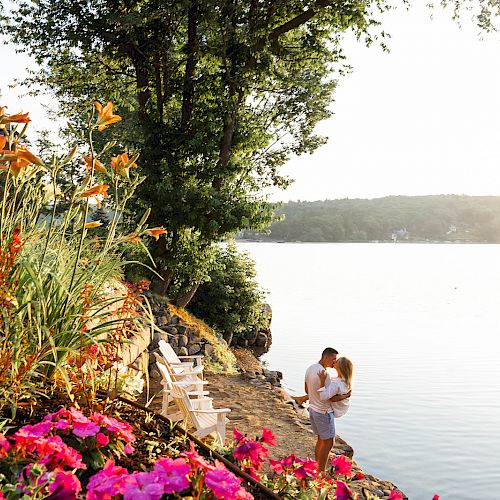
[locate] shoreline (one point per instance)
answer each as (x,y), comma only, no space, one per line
(270,405)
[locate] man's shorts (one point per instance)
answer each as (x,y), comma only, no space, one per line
(323,424)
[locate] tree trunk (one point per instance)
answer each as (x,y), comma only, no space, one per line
(184,299)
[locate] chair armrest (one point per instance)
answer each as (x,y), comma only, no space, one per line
(182,363)
(218,410)
(199,393)
(194,356)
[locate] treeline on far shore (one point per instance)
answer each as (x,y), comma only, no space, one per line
(455,218)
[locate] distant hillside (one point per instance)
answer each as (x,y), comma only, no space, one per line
(404,218)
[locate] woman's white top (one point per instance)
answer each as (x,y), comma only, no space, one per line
(334,387)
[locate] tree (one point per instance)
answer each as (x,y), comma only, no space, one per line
(220,93)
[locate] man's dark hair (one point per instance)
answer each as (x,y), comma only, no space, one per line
(329,351)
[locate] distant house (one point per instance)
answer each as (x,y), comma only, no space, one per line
(400,234)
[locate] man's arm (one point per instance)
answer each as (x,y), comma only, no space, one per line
(340,397)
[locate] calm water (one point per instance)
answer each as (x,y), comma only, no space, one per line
(422,325)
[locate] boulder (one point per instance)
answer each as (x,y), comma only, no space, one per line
(208,349)
(171,329)
(261,340)
(182,351)
(194,349)
(182,340)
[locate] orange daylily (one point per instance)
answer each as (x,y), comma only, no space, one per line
(99,190)
(17,118)
(156,232)
(22,153)
(122,164)
(17,166)
(133,238)
(91,225)
(97,164)
(106,116)
(3,142)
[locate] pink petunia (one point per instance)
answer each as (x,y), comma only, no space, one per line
(342,492)
(172,474)
(143,486)
(309,468)
(85,429)
(268,437)
(101,439)
(251,450)
(237,435)
(342,465)
(128,449)
(108,482)
(395,495)
(195,459)
(243,494)
(435,497)
(4,446)
(222,482)
(65,486)
(276,466)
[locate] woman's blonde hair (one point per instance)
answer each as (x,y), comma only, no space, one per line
(345,370)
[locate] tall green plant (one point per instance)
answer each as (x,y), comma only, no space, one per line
(52,269)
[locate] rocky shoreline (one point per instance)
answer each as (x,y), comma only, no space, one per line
(254,394)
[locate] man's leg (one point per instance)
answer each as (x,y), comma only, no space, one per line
(322,452)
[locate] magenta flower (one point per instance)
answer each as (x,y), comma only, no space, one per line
(395,495)
(143,486)
(85,429)
(54,453)
(222,482)
(128,449)
(108,482)
(342,492)
(309,468)
(289,461)
(268,437)
(237,435)
(172,474)
(252,451)
(243,494)
(101,439)
(359,476)
(195,459)
(341,465)
(65,486)
(435,497)
(276,466)
(122,429)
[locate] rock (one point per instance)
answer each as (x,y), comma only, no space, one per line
(173,341)
(228,337)
(208,349)
(242,342)
(154,373)
(261,340)
(193,339)
(171,329)
(162,321)
(182,340)
(181,329)
(251,337)
(194,349)
(182,351)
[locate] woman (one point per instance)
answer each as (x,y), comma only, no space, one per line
(331,388)
(342,384)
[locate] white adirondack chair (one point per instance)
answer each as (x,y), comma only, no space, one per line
(205,421)
(176,363)
(194,390)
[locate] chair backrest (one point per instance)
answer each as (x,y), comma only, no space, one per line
(168,352)
(182,400)
(165,372)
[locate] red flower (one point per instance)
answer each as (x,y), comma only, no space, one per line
(268,437)
(276,466)
(237,435)
(395,495)
(341,465)
(309,468)
(359,476)
(435,497)
(342,492)
(223,483)
(195,459)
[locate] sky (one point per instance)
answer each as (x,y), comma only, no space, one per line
(421,119)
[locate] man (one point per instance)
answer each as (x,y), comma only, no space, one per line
(321,412)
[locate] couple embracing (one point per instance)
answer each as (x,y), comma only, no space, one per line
(328,399)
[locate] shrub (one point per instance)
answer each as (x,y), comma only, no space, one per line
(231,302)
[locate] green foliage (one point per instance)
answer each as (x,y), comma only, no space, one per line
(231,301)
(440,218)
(53,270)
(219,95)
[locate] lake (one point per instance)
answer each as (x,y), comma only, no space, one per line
(421,323)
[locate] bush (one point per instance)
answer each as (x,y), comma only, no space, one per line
(231,301)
